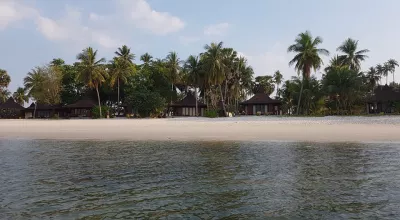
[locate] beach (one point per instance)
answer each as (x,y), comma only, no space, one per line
(324,129)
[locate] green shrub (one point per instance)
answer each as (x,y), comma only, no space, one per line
(258,113)
(211,113)
(96,111)
(381,113)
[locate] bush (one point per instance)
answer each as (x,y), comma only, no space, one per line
(211,113)
(258,113)
(96,111)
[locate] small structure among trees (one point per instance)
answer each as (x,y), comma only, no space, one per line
(10,109)
(385,99)
(187,106)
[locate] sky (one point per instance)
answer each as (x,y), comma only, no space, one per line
(33,32)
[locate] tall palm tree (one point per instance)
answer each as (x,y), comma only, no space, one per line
(4,78)
(173,64)
(214,66)
(307,57)
(192,67)
(373,77)
(380,70)
(92,71)
(393,64)
(146,58)
(278,80)
(20,96)
(334,62)
(121,68)
(386,68)
(351,56)
(33,84)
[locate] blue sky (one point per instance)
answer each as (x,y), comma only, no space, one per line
(33,32)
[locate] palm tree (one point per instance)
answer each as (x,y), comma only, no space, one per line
(278,80)
(33,84)
(386,68)
(4,95)
(334,63)
(307,57)
(20,96)
(380,70)
(91,71)
(146,58)
(4,78)
(373,77)
(393,64)
(173,64)
(121,68)
(351,56)
(192,67)
(214,66)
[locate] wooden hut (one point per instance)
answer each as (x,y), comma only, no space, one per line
(261,103)
(187,106)
(82,108)
(43,111)
(383,99)
(10,109)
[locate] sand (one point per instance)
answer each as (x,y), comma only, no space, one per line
(346,129)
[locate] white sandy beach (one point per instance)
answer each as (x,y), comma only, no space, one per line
(334,129)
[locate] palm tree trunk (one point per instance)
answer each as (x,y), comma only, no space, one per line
(301,92)
(34,111)
(98,99)
(222,100)
(393,79)
(195,95)
(118,100)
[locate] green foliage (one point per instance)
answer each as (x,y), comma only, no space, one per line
(9,113)
(96,111)
(211,113)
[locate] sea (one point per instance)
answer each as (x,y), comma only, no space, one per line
(44,179)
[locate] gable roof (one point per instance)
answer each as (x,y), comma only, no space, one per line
(260,99)
(188,101)
(11,104)
(83,103)
(385,93)
(41,106)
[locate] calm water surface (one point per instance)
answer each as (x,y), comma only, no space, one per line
(122,180)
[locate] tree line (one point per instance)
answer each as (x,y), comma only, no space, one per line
(218,76)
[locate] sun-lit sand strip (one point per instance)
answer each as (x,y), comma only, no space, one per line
(285,129)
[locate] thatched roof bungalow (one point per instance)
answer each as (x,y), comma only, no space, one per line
(10,109)
(187,106)
(383,99)
(262,103)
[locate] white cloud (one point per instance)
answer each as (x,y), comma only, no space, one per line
(217,29)
(13,11)
(95,17)
(140,13)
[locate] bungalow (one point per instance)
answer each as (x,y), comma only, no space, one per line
(383,99)
(262,103)
(10,109)
(187,106)
(82,108)
(43,111)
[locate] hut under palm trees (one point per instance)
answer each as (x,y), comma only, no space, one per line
(261,104)
(187,106)
(384,99)
(10,109)
(81,109)
(43,111)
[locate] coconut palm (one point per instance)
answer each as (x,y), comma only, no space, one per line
(307,57)
(373,77)
(351,56)
(334,62)
(380,70)
(173,68)
(20,96)
(146,58)
(384,70)
(4,95)
(192,67)
(33,84)
(121,68)
(4,78)
(92,71)
(278,80)
(393,64)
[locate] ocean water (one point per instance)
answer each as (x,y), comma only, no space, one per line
(204,180)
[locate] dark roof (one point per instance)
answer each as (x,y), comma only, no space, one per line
(10,104)
(83,103)
(385,93)
(188,101)
(41,106)
(259,99)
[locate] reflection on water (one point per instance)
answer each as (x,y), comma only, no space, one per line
(116,180)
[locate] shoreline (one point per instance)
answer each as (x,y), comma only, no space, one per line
(255,129)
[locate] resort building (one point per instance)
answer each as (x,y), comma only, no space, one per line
(10,109)
(262,104)
(43,111)
(81,109)
(187,106)
(384,99)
